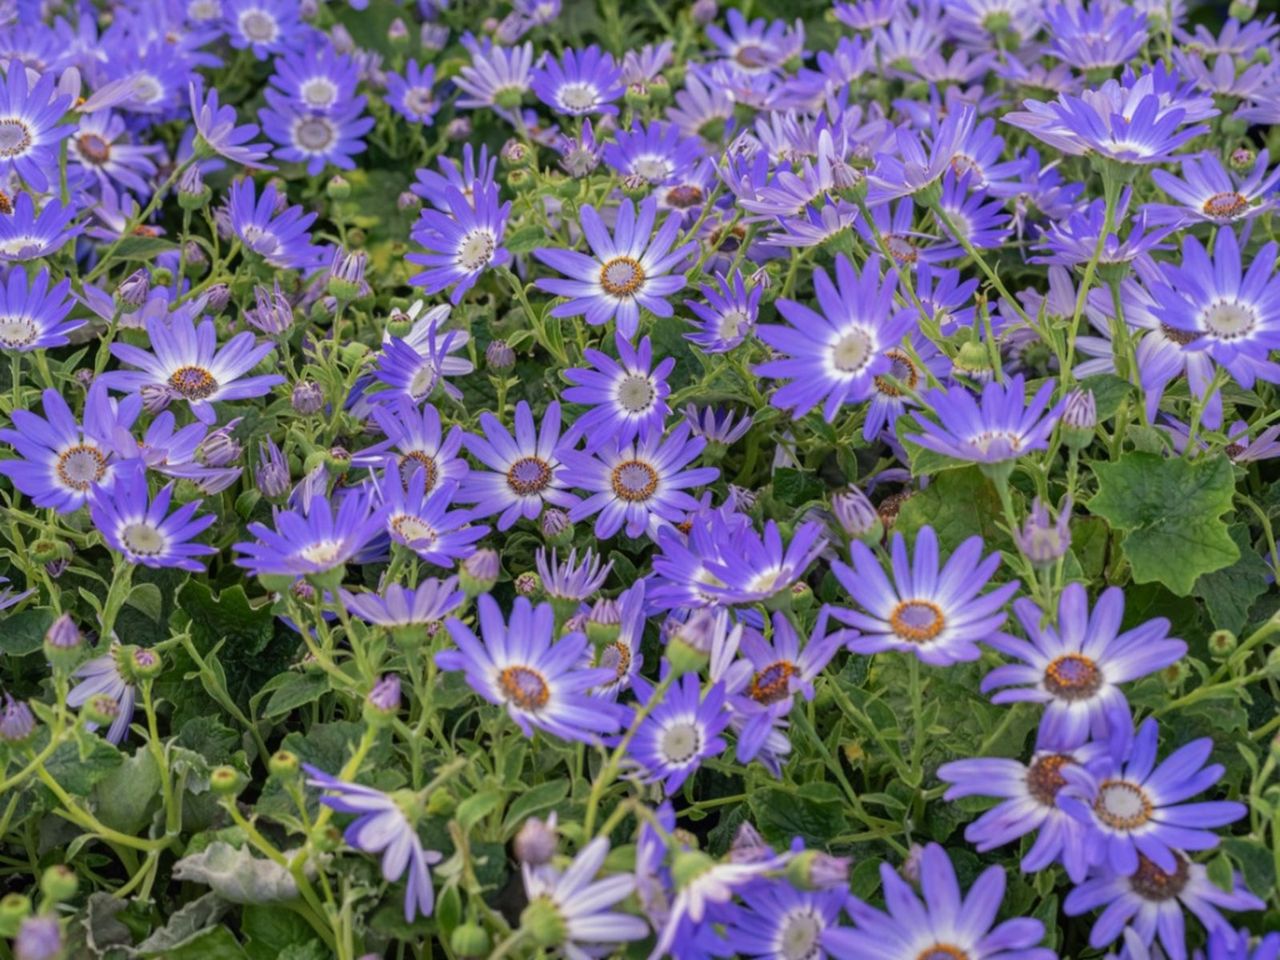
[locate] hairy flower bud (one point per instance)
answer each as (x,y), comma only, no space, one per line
(479,572)
(307,398)
(537,841)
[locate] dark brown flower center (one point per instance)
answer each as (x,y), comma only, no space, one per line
(529,475)
(901,369)
(1224,206)
(93,148)
(1180,337)
(1152,883)
(193,383)
(1045,779)
(773,682)
(634,481)
(411,462)
(684,196)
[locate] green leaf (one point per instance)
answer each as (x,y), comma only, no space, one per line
(525,239)
(77,766)
(295,690)
(958,504)
(1221,872)
(142,248)
(1109,391)
(542,797)
(269,931)
(476,807)
(1229,593)
(123,798)
(237,875)
(24,632)
(796,487)
(147,599)
(1170,512)
(1255,860)
(214,943)
(814,812)
(189,923)
(229,616)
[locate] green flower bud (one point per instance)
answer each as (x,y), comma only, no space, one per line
(1221,644)
(470,940)
(284,764)
(544,923)
(14,908)
(59,883)
(338,188)
(226,781)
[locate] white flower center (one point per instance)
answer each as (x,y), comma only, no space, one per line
(15,137)
(413,530)
(17,332)
(636,393)
(143,539)
(1229,319)
(681,742)
(655,169)
(314,134)
(852,352)
(578,97)
(322,553)
(477,249)
(259,26)
(798,935)
(319,92)
(424,381)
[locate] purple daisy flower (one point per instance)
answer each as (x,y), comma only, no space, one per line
(29,126)
(580,82)
(60,460)
(475,173)
(102,147)
(33,316)
(639,486)
(414,367)
(1227,944)
(263,26)
(1151,903)
(26,234)
(411,95)
(401,608)
(103,676)
(418,441)
(142,529)
(1030,793)
(1073,240)
(944,925)
(318,139)
(186,363)
(628,270)
(680,732)
(915,167)
(657,153)
(1075,668)
(621,655)
(1000,428)
(728,315)
(382,825)
(496,77)
(280,238)
(524,473)
(1207,193)
(1094,37)
(937,615)
(754,568)
(627,395)
(776,921)
(1137,810)
(570,579)
(423,521)
(218,131)
(314,540)
(833,357)
(461,243)
(537,679)
(1231,313)
(316,78)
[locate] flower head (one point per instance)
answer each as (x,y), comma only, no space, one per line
(142,529)
(579,82)
(1001,426)
(314,540)
(462,242)
(218,131)
(29,125)
(33,314)
(680,732)
(627,395)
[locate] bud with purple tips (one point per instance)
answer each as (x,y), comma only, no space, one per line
(383,701)
(857,516)
(63,642)
(135,288)
(815,870)
(272,473)
(703,12)
(557,528)
(1079,419)
(39,938)
(193,192)
(499,356)
(537,841)
(1042,540)
(17,722)
(217,297)
(307,398)
(479,572)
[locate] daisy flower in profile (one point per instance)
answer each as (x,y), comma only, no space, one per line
(639,486)
(318,139)
(59,460)
(29,126)
(627,396)
(279,238)
(104,676)
(537,679)
(1127,123)
(461,243)
(628,270)
(186,363)
(1227,944)
(1207,193)
(496,77)
(915,167)
(1231,313)
(28,234)
(571,580)
(680,732)
(33,316)
(1030,792)
(217,131)
(404,609)
(580,82)
(423,522)
(999,428)
(314,540)
(142,529)
(621,654)
(1136,809)
(1074,668)
(412,95)
(946,924)
(524,474)
(384,824)
(264,26)
(833,357)
(573,906)
(939,615)
(1152,904)
(728,315)
(757,567)
(413,367)
(416,437)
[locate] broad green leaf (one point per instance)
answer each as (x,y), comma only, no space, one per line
(123,798)
(814,812)
(1229,593)
(77,766)
(237,875)
(269,931)
(958,504)
(1170,512)
(542,797)
(143,248)
(24,632)
(796,487)
(189,923)
(146,599)
(476,807)
(295,690)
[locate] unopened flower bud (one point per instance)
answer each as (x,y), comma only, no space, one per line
(284,764)
(637,95)
(433,36)
(17,722)
(1241,159)
(220,448)
(193,192)
(1079,419)
(135,288)
(383,701)
(38,938)
(479,572)
(557,528)
(858,518)
(397,32)
(815,870)
(499,356)
(515,153)
(604,622)
(307,398)
(346,275)
(408,202)
(338,187)
(59,883)
(689,647)
(635,186)
(226,781)
(910,868)
(528,584)
(101,710)
(761,278)
(459,128)
(196,258)
(217,297)
(1043,541)
(703,12)
(470,941)
(543,923)
(1222,643)
(63,642)
(14,908)
(748,845)
(537,841)
(143,664)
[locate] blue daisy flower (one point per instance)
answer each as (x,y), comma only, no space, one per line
(1075,668)
(318,139)
(403,608)
(26,234)
(317,79)
(423,521)
(412,95)
(537,679)
(418,440)
(461,244)
(938,615)
(219,132)
(264,26)
(142,529)
(579,82)
(627,396)
(728,315)
(474,174)
(1136,809)
(314,540)
(657,153)
(945,926)
(628,270)
(777,922)
(29,126)
(680,732)
(280,238)
(33,316)
(833,357)
(999,428)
